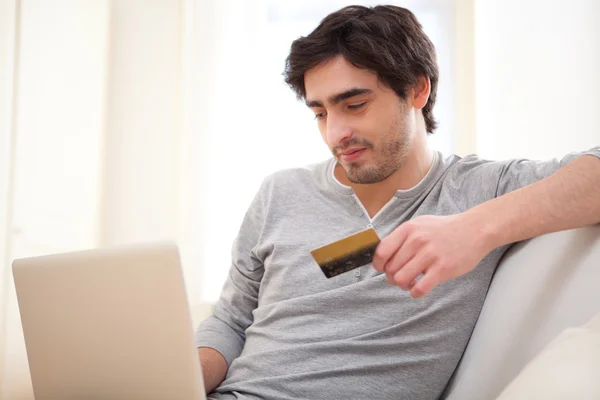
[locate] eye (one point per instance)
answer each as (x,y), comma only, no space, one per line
(356,106)
(320,115)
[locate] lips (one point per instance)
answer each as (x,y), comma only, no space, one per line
(352,154)
(351,151)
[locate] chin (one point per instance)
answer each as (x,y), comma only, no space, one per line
(359,174)
(368,174)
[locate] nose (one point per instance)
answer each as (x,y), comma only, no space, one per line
(337,130)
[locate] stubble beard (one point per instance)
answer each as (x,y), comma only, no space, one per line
(390,157)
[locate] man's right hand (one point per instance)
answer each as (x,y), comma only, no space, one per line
(214,367)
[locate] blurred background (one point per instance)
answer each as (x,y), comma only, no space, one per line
(125,121)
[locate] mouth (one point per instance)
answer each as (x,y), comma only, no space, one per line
(352,154)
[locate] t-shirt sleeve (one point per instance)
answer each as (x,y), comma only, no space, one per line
(516,174)
(473,181)
(224,331)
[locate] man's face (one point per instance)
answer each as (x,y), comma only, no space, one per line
(367,127)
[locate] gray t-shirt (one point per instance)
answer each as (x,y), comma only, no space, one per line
(287,332)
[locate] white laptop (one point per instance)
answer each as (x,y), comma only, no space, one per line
(109,324)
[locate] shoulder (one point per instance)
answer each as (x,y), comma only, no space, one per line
(472,179)
(297,178)
(288,190)
(474,168)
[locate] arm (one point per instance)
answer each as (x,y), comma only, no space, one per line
(568,199)
(221,337)
(442,248)
(214,367)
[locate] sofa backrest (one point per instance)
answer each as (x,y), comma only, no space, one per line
(541,287)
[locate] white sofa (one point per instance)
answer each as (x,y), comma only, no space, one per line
(542,286)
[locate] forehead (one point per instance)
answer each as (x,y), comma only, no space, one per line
(336,76)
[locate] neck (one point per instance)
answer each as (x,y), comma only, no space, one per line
(375,195)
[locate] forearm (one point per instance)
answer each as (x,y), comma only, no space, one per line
(214,367)
(570,198)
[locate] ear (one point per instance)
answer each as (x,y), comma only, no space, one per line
(420,92)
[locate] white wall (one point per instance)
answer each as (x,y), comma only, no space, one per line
(143,122)
(150,192)
(199,70)
(7,28)
(464,78)
(537,77)
(58,130)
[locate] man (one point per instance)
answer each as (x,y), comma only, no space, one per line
(395,329)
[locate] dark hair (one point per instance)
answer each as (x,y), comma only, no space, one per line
(388,40)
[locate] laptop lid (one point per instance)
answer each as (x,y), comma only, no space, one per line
(108,324)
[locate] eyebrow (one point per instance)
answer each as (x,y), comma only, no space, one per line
(338,98)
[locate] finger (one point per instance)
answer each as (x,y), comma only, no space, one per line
(408,250)
(389,245)
(406,276)
(428,281)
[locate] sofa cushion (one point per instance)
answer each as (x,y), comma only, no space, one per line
(541,287)
(568,368)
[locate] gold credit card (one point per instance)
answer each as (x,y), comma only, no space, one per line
(347,254)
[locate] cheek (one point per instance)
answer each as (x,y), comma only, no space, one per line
(370,130)
(322,126)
